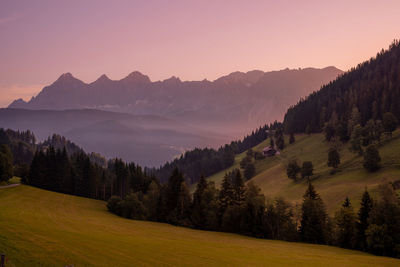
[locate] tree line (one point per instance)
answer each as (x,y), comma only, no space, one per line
(22,146)
(53,169)
(240,207)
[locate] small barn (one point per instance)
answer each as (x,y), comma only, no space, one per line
(269,151)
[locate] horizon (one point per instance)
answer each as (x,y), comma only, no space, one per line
(192,41)
(28,95)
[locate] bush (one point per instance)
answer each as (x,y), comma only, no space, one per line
(249,171)
(112,204)
(371,158)
(307,169)
(333,158)
(245,161)
(293,169)
(258,156)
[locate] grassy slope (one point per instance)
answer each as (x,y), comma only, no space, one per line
(42,228)
(350,180)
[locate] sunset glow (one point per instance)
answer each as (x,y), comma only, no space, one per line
(194,40)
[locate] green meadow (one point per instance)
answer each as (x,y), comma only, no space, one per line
(43,228)
(350,180)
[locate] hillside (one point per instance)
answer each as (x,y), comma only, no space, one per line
(350,180)
(36,223)
(233,104)
(372,88)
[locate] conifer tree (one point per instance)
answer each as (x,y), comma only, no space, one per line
(183,205)
(345,220)
(177,199)
(280,142)
(291,138)
(313,228)
(383,233)
(356,140)
(173,189)
(333,158)
(355,119)
(204,208)
(389,122)
(239,189)
(252,217)
(307,169)
(342,132)
(362,222)
(330,131)
(6,163)
(198,211)
(226,196)
(151,201)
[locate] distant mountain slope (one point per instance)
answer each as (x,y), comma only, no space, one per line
(238,102)
(147,140)
(373,88)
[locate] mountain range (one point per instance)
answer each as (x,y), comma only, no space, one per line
(152,122)
(236,103)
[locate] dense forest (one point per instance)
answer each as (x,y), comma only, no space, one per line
(79,175)
(24,150)
(372,89)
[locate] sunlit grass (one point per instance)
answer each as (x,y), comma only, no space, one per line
(350,180)
(42,228)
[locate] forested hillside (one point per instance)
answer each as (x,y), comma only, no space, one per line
(147,140)
(197,162)
(372,88)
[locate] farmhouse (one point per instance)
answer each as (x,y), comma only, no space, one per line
(269,151)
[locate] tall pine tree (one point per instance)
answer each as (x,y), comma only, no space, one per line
(314,227)
(362,222)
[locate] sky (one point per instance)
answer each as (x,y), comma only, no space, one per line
(193,40)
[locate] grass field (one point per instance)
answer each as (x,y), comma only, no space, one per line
(42,228)
(350,180)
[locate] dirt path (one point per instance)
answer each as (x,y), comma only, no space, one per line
(8,186)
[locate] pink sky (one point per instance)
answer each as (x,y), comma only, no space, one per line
(39,40)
